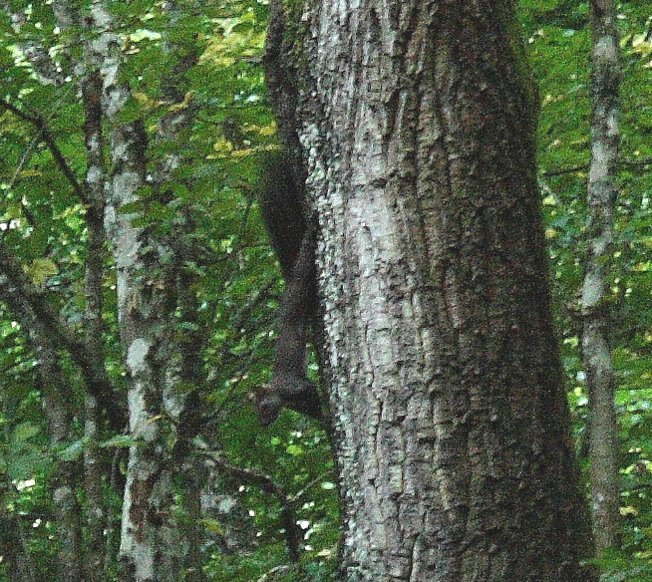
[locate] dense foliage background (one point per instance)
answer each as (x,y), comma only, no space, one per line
(237,282)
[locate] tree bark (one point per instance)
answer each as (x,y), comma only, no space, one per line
(414,122)
(94,460)
(147,547)
(596,349)
(149,270)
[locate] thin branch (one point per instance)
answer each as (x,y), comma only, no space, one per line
(635,163)
(21,296)
(46,136)
(294,498)
(585,168)
(293,533)
(562,171)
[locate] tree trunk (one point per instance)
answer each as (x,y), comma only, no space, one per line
(415,124)
(149,546)
(18,562)
(94,458)
(153,546)
(596,350)
(56,403)
(54,387)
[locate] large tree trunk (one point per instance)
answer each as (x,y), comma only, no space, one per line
(596,349)
(415,124)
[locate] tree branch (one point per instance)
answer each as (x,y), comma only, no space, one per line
(21,296)
(293,533)
(46,135)
(585,168)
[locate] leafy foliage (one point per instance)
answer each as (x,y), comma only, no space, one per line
(236,282)
(558,35)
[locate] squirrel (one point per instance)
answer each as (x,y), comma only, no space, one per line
(293,237)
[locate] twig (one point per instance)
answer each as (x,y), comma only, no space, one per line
(46,135)
(293,533)
(309,485)
(562,171)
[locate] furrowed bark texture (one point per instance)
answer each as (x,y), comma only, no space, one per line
(416,124)
(596,349)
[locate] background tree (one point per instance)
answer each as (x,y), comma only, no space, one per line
(602,193)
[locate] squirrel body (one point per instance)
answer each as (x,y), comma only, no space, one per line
(293,238)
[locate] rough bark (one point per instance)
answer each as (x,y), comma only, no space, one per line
(146,552)
(596,349)
(416,123)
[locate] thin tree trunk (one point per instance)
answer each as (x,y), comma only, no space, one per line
(596,350)
(415,123)
(152,545)
(54,387)
(56,403)
(186,366)
(112,533)
(16,555)
(95,183)
(193,562)
(147,551)
(68,16)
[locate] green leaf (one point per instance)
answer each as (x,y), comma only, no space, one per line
(295,450)
(74,451)
(41,270)
(24,432)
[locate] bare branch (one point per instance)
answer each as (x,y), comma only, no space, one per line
(585,168)
(46,136)
(293,533)
(21,296)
